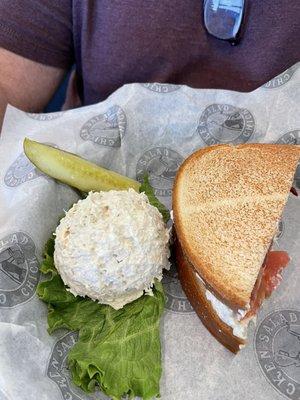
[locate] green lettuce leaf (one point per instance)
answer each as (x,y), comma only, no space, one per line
(153,200)
(117,350)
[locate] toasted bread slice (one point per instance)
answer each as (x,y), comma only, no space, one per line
(195,292)
(227,202)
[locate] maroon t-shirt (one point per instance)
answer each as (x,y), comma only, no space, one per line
(113,42)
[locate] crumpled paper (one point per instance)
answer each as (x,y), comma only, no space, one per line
(145,127)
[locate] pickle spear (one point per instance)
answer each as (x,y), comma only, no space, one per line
(74,170)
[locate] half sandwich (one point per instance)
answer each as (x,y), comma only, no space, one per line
(227,204)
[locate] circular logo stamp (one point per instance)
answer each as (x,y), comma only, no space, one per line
(277,347)
(280,79)
(19,269)
(20,171)
(59,373)
(106,129)
(161,87)
(176,299)
(223,123)
(292,137)
(161,163)
(45,117)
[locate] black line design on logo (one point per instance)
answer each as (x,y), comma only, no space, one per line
(224,123)
(45,117)
(19,269)
(277,348)
(161,87)
(106,129)
(281,79)
(161,163)
(20,171)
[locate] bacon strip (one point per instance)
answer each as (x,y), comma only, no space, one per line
(268,279)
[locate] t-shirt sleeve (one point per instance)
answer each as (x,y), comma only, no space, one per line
(40,30)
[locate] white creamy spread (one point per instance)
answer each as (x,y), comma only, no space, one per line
(172,215)
(229,316)
(111,246)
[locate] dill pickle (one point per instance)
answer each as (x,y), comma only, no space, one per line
(74,170)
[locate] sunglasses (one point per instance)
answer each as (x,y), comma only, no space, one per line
(223,19)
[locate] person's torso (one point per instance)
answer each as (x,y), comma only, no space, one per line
(118,42)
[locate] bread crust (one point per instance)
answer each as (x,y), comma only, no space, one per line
(266,206)
(195,292)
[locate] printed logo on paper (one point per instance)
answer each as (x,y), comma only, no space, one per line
(176,299)
(281,79)
(161,87)
(161,163)
(224,123)
(277,347)
(59,373)
(292,137)
(106,129)
(20,171)
(19,269)
(45,117)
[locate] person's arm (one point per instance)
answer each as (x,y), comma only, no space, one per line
(3,103)
(26,84)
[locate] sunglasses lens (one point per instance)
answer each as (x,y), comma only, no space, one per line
(223,18)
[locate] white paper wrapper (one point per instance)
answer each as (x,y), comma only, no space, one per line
(150,127)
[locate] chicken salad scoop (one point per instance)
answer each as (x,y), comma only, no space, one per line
(111,247)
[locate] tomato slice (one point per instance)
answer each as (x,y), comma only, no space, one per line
(268,279)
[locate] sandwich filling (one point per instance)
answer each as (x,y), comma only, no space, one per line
(268,280)
(228,316)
